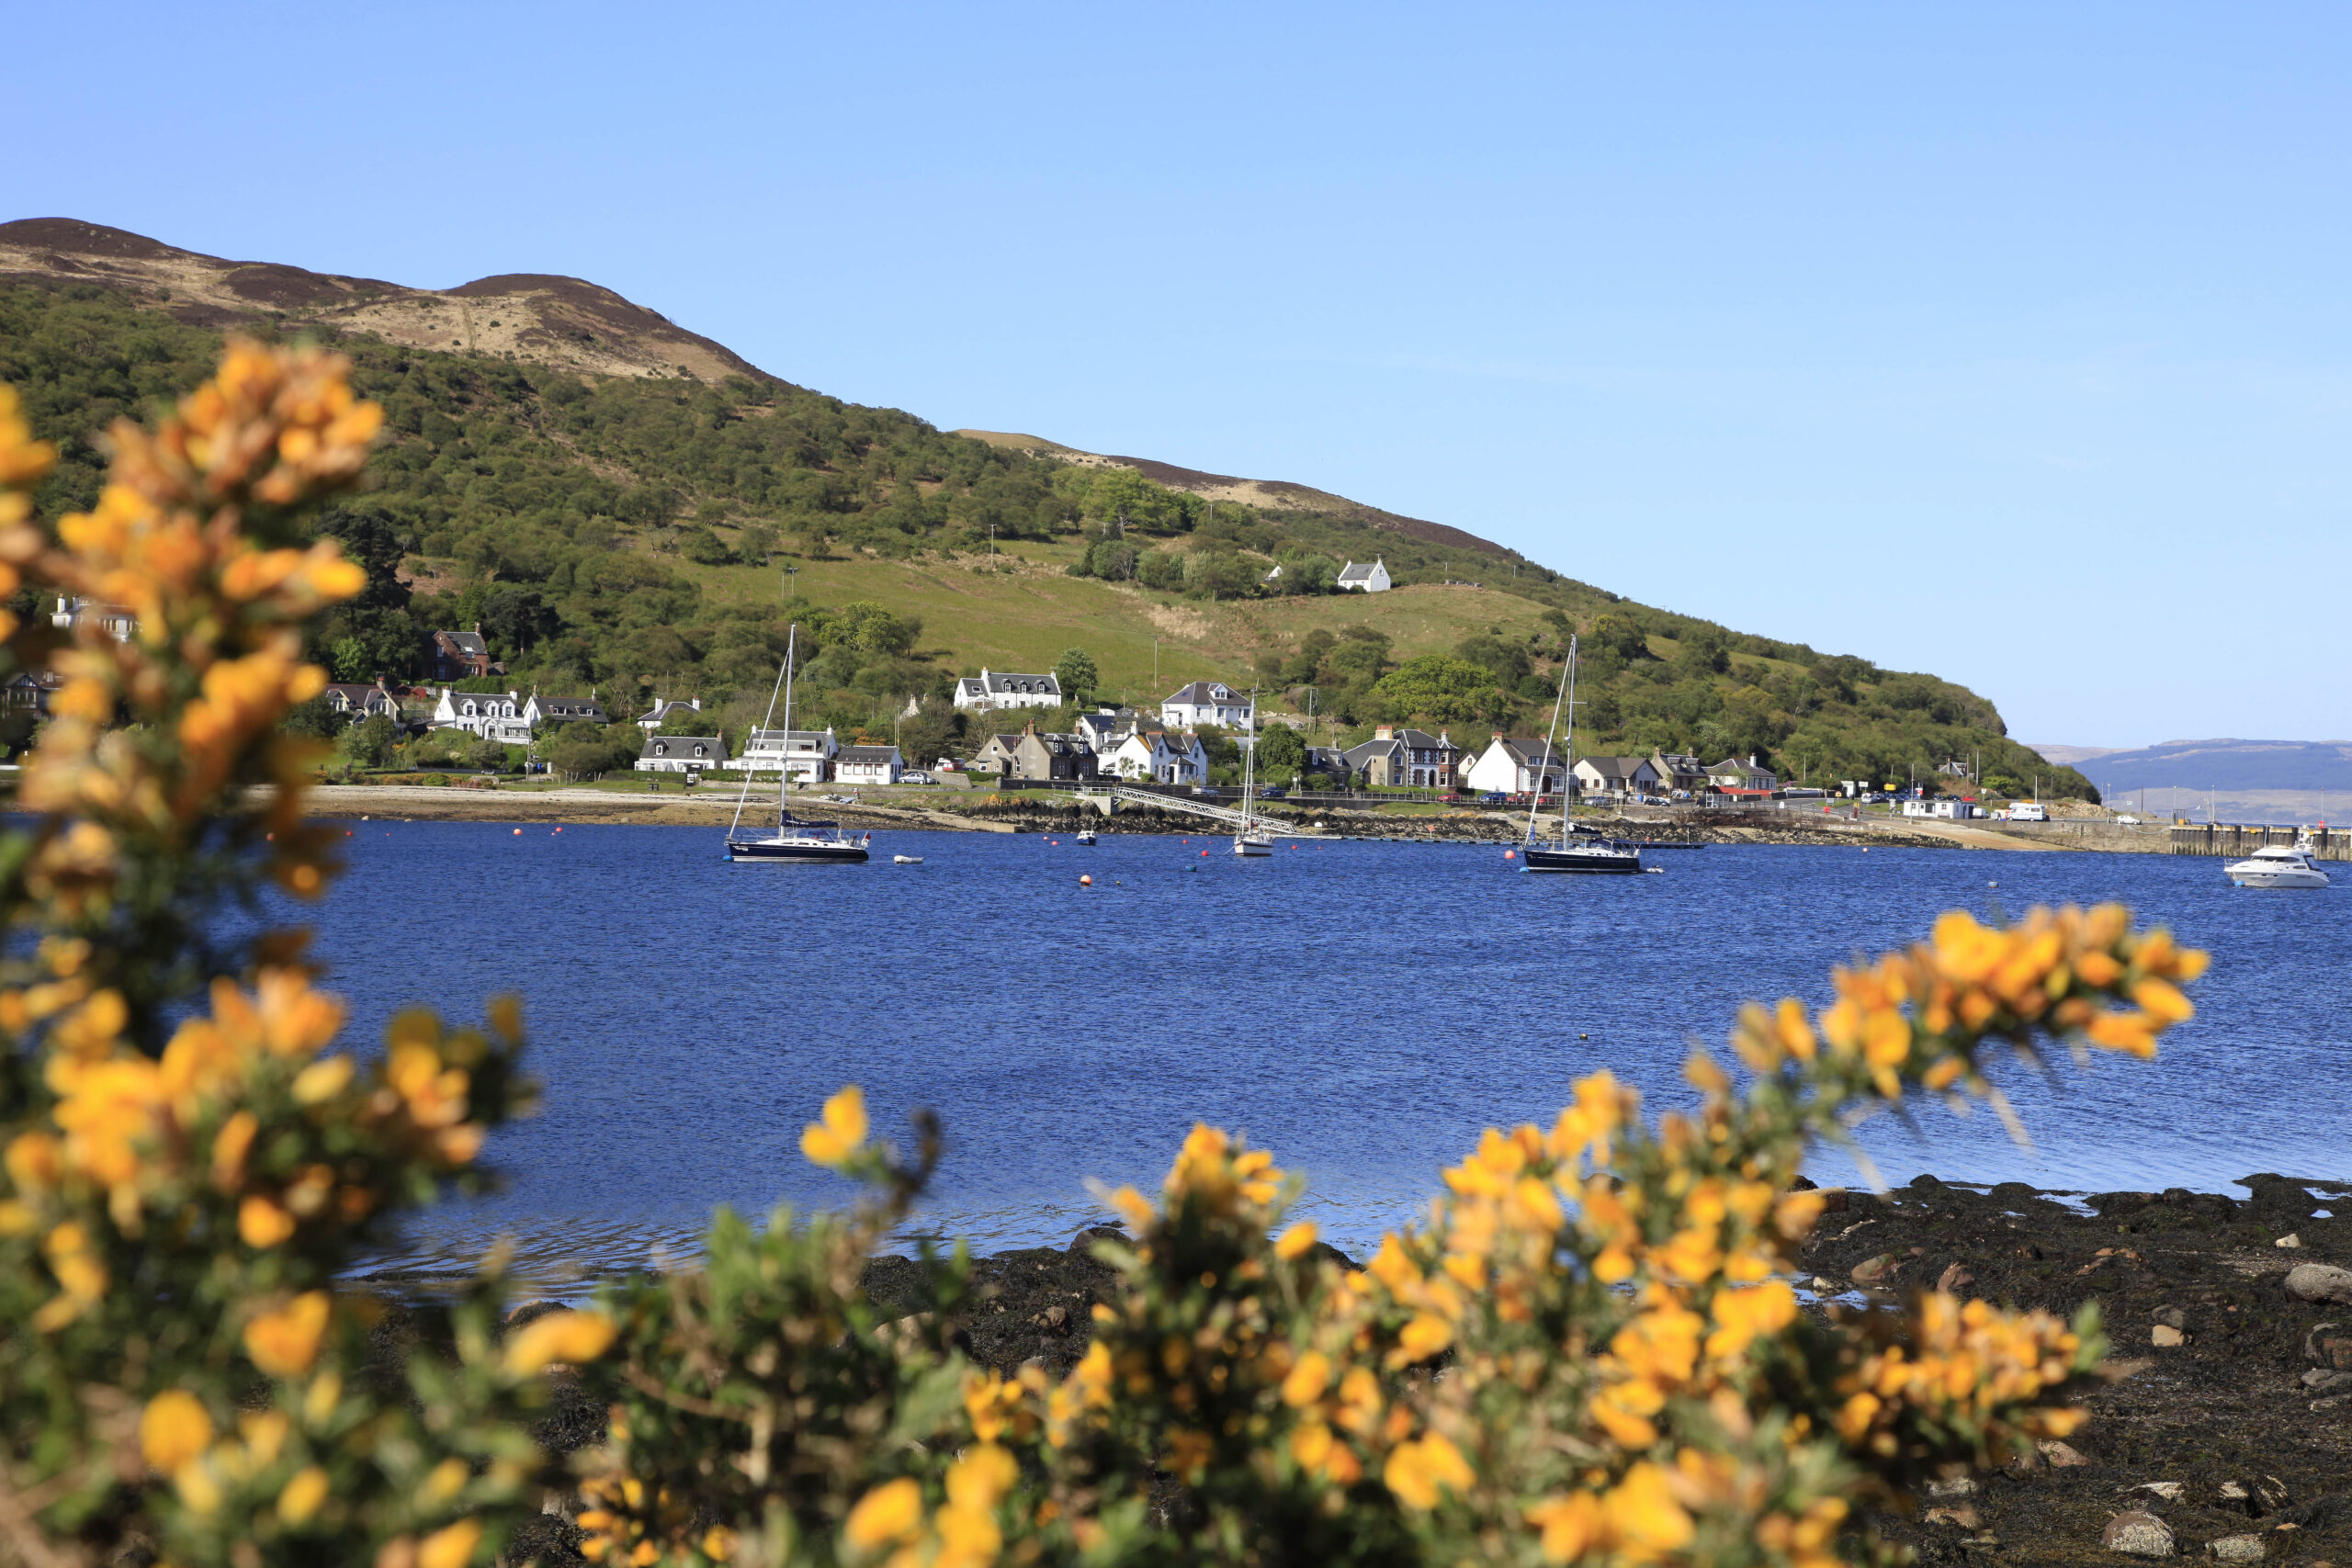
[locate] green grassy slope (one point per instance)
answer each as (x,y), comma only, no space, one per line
(633,534)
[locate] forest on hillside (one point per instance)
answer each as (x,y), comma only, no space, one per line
(559,513)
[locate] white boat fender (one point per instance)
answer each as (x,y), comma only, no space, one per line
(1654,870)
(906,860)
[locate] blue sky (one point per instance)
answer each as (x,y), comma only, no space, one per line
(2008,342)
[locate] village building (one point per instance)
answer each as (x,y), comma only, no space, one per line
(538,710)
(1405,758)
(1373,579)
(680,753)
(1035,758)
(494,715)
(1160,756)
(1208,702)
(994,689)
(664,711)
(30,692)
(868,765)
(362,702)
(1516,766)
(461,656)
(116,621)
(1679,772)
(1618,778)
(808,754)
(1731,773)
(1106,729)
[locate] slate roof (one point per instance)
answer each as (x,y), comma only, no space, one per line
(989,682)
(875,756)
(574,709)
(468,643)
(685,748)
(1352,572)
(1209,695)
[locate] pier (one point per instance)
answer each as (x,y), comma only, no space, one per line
(2236,843)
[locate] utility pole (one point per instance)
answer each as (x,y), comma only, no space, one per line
(991,538)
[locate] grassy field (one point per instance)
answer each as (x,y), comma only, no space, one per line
(1021,610)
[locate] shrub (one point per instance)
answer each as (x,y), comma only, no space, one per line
(1587,1352)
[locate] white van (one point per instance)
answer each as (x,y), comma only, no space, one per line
(2029,811)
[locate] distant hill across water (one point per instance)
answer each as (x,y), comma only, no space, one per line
(2232,780)
(2224,764)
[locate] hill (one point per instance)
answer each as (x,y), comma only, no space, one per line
(610,498)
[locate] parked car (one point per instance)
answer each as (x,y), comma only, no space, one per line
(1493,798)
(1273,792)
(916,775)
(2127,821)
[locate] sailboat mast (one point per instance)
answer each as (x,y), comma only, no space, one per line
(784,773)
(1551,742)
(745,798)
(1569,780)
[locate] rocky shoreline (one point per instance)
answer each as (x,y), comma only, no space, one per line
(1022,814)
(2223,1428)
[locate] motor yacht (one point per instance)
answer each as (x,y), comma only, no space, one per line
(2278,865)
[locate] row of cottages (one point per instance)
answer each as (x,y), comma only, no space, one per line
(1517,767)
(1528,766)
(1404,759)
(993,689)
(509,716)
(1065,759)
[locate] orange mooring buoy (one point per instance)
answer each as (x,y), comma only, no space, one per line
(1086,881)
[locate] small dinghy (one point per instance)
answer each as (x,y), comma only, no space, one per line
(906,860)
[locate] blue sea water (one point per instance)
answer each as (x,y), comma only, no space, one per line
(1362,1009)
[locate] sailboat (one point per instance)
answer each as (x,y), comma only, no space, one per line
(1251,838)
(795,839)
(1591,852)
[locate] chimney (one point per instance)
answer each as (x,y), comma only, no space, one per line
(1385,732)
(1752,761)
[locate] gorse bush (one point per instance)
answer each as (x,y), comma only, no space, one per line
(1589,1351)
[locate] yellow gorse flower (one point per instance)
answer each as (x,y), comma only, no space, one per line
(836,1139)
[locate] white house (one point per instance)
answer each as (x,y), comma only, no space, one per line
(1373,579)
(1616,775)
(494,715)
(868,765)
(1733,773)
(1106,729)
(808,753)
(1208,702)
(1161,757)
(1516,767)
(996,689)
(538,710)
(1944,806)
(665,711)
(676,753)
(116,621)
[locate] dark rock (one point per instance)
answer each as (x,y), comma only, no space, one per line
(2110,1205)
(2170,1316)
(2236,1548)
(2328,1346)
(2280,1197)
